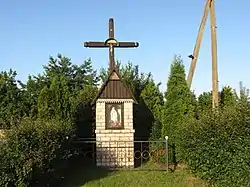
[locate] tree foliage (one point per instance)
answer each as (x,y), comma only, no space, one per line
(32,149)
(205,101)
(153,99)
(227,97)
(52,101)
(180,104)
(179,100)
(216,150)
(11,97)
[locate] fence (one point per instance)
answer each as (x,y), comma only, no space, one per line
(127,155)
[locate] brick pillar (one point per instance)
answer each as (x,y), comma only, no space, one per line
(114,147)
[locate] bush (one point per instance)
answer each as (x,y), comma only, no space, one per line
(33,149)
(217,146)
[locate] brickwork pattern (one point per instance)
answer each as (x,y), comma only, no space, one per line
(114,148)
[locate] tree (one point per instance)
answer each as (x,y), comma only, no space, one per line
(31,92)
(11,97)
(153,99)
(217,145)
(44,104)
(205,101)
(58,86)
(243,96)
(179,104)
(227,97)
(62,91)
(179,99)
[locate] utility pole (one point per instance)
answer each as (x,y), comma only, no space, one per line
(214,56)
(209,6)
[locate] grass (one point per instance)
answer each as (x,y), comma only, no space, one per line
(147,178)
(84,174)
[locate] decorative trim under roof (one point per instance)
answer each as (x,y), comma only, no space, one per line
(114,100)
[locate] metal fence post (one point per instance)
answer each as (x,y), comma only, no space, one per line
(166,137)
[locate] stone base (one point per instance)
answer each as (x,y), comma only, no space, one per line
(115,148)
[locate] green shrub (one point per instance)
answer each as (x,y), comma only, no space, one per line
(217,146)
(32,149)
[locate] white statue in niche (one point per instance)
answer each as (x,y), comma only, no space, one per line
(113,114)
(115,119)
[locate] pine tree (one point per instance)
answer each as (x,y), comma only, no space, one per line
(44,104)
(227,97)
(11,97)
(179,101)
(205,101)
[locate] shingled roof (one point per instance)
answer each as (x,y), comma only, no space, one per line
(114,88)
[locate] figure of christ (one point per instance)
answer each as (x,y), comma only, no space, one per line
(111,43)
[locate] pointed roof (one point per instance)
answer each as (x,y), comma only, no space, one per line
(114,88)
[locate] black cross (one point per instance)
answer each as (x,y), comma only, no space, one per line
(111,43)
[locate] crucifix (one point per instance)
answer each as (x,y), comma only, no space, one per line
(111,43)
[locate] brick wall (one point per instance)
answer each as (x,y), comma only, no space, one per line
(115,148)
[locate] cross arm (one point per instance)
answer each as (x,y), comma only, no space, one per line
(116,45)
(126,44)
(95,44)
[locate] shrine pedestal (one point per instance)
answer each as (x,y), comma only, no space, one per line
(114,144)
(115,148)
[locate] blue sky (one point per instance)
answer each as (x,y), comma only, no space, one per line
(31,31)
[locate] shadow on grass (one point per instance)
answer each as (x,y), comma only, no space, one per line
(81,170)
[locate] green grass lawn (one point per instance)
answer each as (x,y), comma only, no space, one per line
(84,174)
(179,178)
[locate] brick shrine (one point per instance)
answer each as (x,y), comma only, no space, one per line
(114,144)
(114,111)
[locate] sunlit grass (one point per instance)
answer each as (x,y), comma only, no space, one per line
(179,178)
(84,174)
